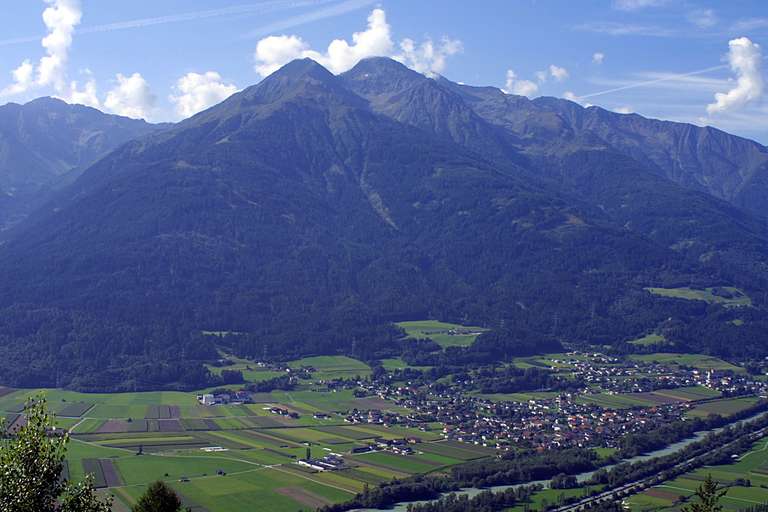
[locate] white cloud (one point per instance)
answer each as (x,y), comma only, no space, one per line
(275,51)
(60,18)
(633,5)
(598,57)
(131,97)
(514,85)
(85,96)
(626,109)
(571,96)
(196,92)
(428,57)
(541,76)
(745,59)
(23,79)
(558,73)
(703,18)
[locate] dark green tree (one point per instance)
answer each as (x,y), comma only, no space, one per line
(159,497)
(708,494)
(31,462)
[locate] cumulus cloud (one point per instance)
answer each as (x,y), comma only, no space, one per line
(23,79)
(427,57)
(702,18)
(558,73)
(131,97)
(745,59)
(60,18)
(87,95)
(514,85)
(598,57)
(195,92)
(275,51)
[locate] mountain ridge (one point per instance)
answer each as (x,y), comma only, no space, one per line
(306,217)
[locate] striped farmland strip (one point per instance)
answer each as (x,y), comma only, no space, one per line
(111,474)
(93,467)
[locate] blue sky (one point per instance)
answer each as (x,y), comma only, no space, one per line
(167,59)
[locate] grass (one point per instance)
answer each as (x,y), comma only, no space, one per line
(610,401)
(402,463)
(724,407)
(333,367)
(749,466)
(440,332)
(649,339)
(260,449)
(698,361)
(737,297)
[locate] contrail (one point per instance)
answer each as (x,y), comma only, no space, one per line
(236,11)
(295,21)
(651,82)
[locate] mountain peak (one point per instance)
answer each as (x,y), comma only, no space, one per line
(302,68)
(376,75)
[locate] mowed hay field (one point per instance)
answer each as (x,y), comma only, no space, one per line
(724,407)
(698,361)
(752,466)
(443,333)
(128,440)
(725,295)
(650,399)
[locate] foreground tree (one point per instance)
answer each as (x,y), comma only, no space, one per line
(708,494)
(31,462)
(159,498)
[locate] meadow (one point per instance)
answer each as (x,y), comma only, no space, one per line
(443,333)
(725,295)
(698,361)
(128,440)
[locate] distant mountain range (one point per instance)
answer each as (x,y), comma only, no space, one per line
(46,144)
(305,213)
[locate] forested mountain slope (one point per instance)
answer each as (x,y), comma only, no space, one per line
(307,212)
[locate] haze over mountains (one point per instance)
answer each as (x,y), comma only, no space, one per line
(305,213)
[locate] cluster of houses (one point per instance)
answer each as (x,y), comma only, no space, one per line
(280,411)
(558,421)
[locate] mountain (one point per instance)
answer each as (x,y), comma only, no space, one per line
(46,143)
(699,158)
(304,214)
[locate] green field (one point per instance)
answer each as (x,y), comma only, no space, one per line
(724,407)
(333,367)
(752,467)
(649,339)
(735,298)
(698,361)
(128,440)
(442,333)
